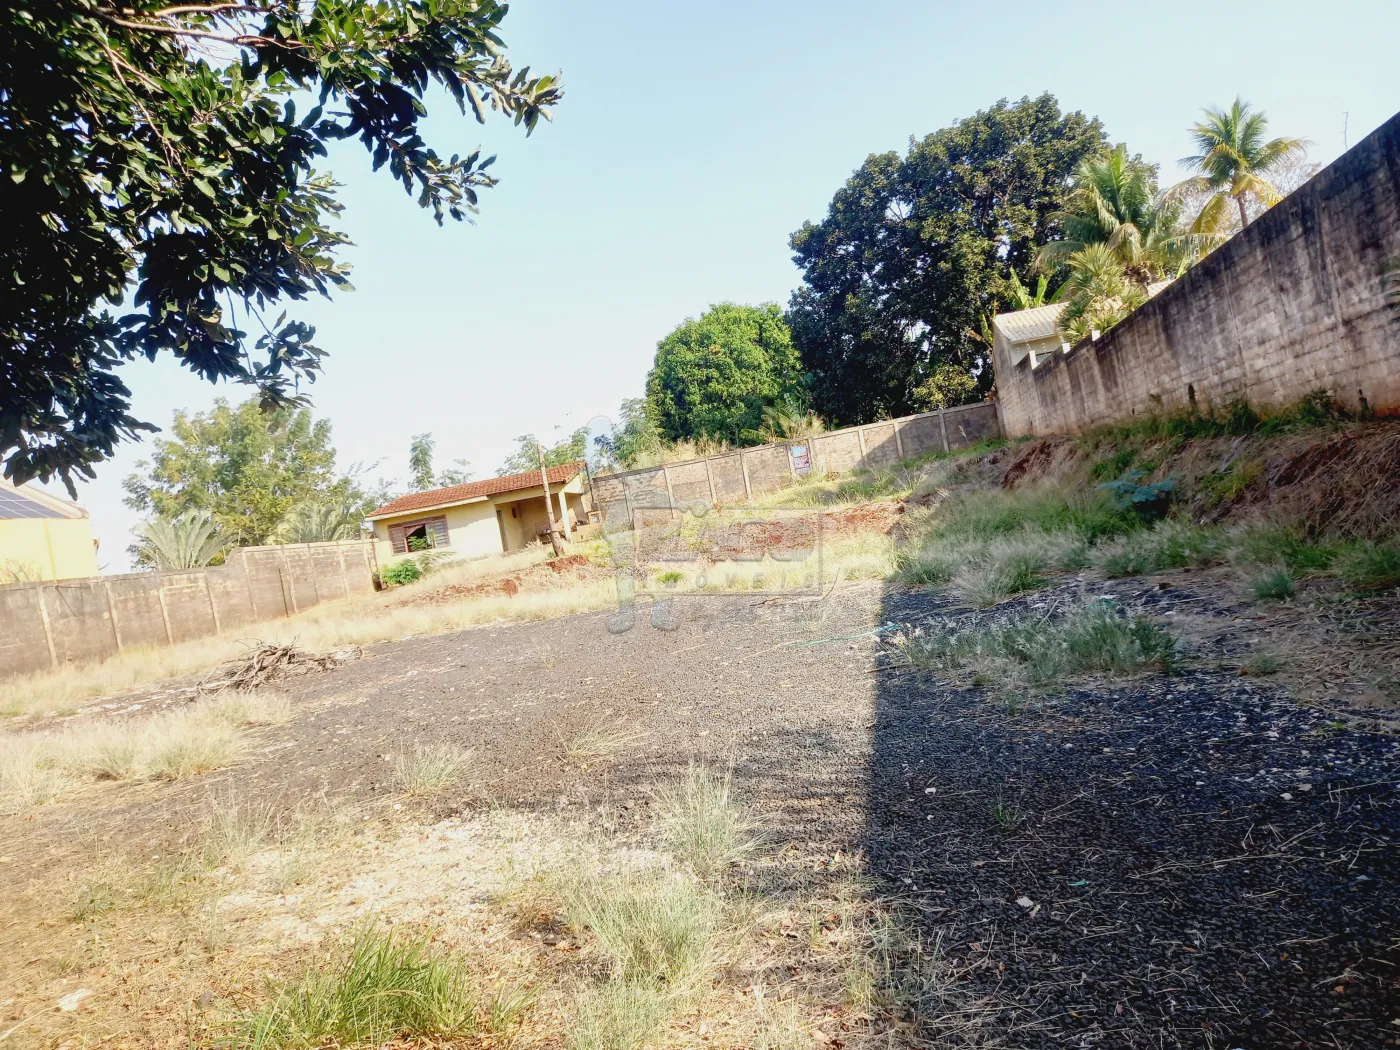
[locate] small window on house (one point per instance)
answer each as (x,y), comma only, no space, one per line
(416,536)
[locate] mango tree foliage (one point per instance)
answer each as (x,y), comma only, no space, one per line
(714,375)
(158,188)
(246,467)
(528,449)
(914,251)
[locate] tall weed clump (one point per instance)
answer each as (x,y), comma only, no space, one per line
(702,825)
(382,987)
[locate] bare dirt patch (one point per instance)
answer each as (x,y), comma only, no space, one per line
(1180,861)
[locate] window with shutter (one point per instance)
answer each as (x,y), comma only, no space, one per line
(406,538)
(439,531)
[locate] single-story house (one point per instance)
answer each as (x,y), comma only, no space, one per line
(43,537)
(481,517)
(1034,332)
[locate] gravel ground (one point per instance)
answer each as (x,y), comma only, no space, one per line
(1192,861)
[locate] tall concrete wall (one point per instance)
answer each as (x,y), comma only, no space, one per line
(1293,303)
(750,472)
(56,623)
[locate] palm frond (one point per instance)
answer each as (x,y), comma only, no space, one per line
(1273,155)
(190,541)
(320,521)
(1257,186)
(1213,218)
(1185,186)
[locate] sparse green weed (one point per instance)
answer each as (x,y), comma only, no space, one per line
(1274,586)
(382,987)
(1004,816)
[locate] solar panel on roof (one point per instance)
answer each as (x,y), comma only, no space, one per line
(16,505)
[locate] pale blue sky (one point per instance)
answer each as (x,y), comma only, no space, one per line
(693,139)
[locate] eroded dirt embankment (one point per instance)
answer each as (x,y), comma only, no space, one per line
(1340,482)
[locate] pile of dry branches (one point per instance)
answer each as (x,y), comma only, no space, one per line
(266,663)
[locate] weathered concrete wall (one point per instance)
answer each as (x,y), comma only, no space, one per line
(1292,304)
(735,476)
(52,624)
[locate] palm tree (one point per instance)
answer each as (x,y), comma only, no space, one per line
(1099,293)
(787,418)
(1235,163)
(1115,203)
(319,521)
(188,542)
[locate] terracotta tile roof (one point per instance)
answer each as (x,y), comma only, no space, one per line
(559,475)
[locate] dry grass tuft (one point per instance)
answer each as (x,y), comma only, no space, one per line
(647,925)
(41,767)
(431,770)
(619,1015)
(701,824)
(601,741)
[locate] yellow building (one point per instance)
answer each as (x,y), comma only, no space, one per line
(43,537)
(481,517)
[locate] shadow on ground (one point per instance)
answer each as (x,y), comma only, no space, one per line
(1186,861)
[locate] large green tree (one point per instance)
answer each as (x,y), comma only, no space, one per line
(246,467)
(528,448)
(714,375)
(915,250)
(160,157)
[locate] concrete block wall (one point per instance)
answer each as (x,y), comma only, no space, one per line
(745,473)
(1294,303)
(57,623)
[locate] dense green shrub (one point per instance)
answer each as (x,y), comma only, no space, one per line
(400,572)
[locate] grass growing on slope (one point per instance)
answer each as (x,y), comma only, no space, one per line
(1043,649)
(1167,545)
(997,512)
(1371,566)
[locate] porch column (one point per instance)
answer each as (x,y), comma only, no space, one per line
(564,515)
